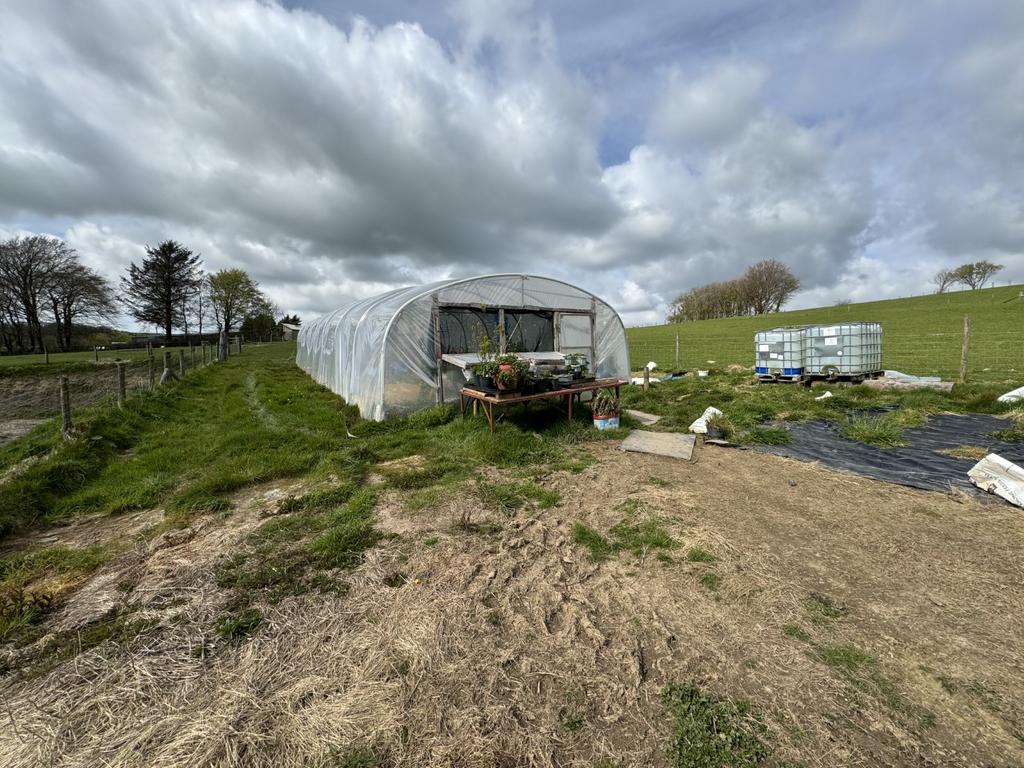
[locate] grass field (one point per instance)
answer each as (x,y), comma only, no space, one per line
(61,362)
(236,569)
(922,335)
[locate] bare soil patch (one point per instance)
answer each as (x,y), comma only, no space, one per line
(514,648)
(12,429)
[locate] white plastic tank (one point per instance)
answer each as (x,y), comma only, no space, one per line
(778,353)
(843,349)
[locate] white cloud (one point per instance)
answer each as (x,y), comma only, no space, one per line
(710,109)
(337,161)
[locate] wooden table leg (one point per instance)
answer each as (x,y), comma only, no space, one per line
(462,404)
(571,398)
(489,410)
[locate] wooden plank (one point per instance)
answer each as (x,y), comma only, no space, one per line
(675,445)
(591,387)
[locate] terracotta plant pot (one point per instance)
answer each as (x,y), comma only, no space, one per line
(510,386)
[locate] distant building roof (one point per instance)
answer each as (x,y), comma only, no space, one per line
(290,326)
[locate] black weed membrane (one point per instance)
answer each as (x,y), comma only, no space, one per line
(918,464)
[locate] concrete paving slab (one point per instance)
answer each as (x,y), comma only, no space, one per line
(673,444)
(644,418)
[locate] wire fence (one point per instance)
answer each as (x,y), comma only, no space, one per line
(29,399)
(991,357)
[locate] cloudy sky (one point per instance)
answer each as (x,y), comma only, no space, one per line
(336,149)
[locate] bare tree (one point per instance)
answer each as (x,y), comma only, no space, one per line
(770,284)
(12,325)
(28,266)
(74,293)
(765,287)
(944,279)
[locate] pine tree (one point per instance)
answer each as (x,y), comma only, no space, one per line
(156,292)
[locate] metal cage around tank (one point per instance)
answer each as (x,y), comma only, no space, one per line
(779,353)
(847,350)
(838,350)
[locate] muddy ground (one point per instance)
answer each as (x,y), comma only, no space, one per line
(510,647)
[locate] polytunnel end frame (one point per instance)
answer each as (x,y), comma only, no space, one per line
(523,276)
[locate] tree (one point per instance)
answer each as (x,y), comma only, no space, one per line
(769,285)
(233,295)
(76,292)
(765,287)
(976,274)
(945,278)
(259,325)
(155,291)
(28,265)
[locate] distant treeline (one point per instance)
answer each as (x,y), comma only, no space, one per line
(763,288)
(48,297)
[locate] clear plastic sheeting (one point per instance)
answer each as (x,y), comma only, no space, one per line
(382,354)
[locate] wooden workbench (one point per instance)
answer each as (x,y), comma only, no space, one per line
(570,394)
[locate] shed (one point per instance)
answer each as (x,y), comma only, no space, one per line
(290,331)
(387,354)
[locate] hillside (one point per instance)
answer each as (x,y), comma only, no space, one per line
(922,334)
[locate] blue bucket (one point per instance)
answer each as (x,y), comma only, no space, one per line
(609,422)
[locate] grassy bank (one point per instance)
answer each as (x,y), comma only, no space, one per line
(254,418)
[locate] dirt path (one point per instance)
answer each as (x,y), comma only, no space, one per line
(514,648)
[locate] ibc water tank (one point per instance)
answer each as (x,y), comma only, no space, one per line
(778,353)
(844,349)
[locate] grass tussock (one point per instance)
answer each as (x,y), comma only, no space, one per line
(712,732)
(640,532)
(507,498)
(884,431)
(296,551)
(966,452)
(239,626)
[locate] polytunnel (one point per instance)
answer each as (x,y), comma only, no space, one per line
(405,350)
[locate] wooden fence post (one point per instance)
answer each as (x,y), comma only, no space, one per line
(95,354)
(181,362)
(192,354)
(120,385)
(677,352)
(65,407)
(647,378)
(46,353)
(168,373)
(152,372)
(222,351)
(966,349)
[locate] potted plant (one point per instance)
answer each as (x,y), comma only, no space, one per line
(605,407)
(484,372)
(507,380)
(576,362)
(511,372)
